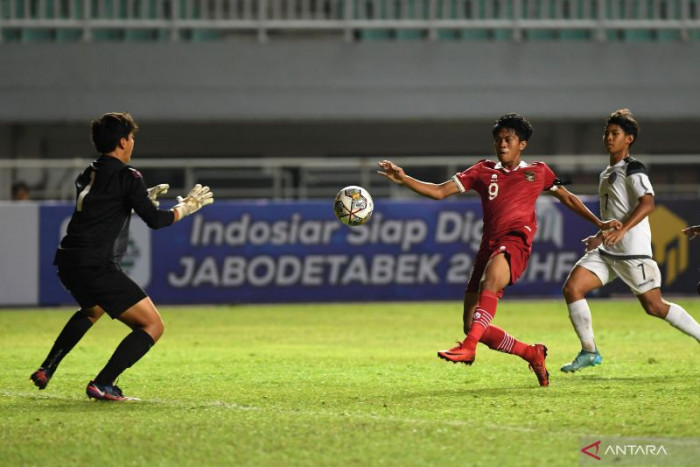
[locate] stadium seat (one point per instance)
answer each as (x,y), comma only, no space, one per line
(106,9)
(668,36)
(30,11)
(199,11)
(637,35)
(371,9)
(475,11)
(409,10)
(368,10)
(507,13)
(68,9)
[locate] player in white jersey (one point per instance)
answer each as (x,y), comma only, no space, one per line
(625,194)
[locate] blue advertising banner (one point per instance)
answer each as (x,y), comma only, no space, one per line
(267,252)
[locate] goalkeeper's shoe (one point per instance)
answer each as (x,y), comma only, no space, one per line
(583,359)
(105,392)
(461,353)
(41,377)
(537,364)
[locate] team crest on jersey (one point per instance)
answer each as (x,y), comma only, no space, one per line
(612,177)
(530,176)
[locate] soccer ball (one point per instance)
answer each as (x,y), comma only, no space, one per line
(353,205)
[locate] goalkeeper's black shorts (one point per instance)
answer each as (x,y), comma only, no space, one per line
(107,286)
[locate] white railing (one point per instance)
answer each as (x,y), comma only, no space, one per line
(352,19)
(308,178)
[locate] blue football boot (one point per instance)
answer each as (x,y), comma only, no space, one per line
(583,359)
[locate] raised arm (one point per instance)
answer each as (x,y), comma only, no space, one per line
(430,190)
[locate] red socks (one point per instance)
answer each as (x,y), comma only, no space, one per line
(483,314)
(494,337)
(497,339)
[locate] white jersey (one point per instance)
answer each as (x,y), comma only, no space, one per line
(621,186)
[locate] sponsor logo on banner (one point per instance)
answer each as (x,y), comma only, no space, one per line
(136,261)
(669,244)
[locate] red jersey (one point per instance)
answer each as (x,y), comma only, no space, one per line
(507,196)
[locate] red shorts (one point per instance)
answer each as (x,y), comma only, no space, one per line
(516,250)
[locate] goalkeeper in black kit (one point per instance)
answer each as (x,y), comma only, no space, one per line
(89,255)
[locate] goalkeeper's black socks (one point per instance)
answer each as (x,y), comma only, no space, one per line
(130,350)
(72,332)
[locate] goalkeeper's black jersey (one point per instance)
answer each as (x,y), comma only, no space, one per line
(106,193)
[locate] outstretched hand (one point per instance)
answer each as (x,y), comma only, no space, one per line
(391,171)
(692,232)
(198,197)
(155,191)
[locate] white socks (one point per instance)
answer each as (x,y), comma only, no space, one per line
(580,316)
(681,320)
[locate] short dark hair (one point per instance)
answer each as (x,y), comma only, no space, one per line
(515,122)
(19,186)
(625,120)
(110,128)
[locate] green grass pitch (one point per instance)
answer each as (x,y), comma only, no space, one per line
(353,384)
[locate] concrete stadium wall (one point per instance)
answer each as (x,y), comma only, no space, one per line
(339,82)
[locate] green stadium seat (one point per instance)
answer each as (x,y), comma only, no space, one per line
(579,35)
(505,34)
(374,34)
(203,35)
(371,9)
(668,36)
(69,10)
(475,34)
(105,12)
(637,35)
(10,35)
(540,35)
(69,35)
(413,11)
(367,9)
(38,10)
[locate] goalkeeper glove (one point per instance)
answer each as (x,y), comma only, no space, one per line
(198,197)
(156,191)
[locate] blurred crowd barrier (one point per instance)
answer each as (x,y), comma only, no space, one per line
(321,178)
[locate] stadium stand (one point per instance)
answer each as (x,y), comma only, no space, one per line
(354,20)
(439,69)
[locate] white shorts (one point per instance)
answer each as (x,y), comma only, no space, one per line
(641,275)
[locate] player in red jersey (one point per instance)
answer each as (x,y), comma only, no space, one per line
(508,189)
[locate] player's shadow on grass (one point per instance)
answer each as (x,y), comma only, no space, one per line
(480,392)
(662,379)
